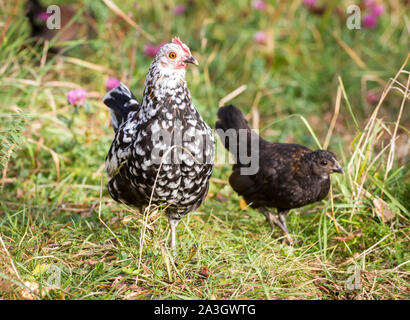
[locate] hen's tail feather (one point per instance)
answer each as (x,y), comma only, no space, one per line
(234,131)
(121,191)
(121,102)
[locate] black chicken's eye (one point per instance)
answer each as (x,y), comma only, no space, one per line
(172,55)
(323,162)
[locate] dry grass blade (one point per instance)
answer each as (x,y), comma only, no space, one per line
(390,158)
(89,65)
(363,152)
(54,155)
(350,52)
(101,220)
(334,117)
(232,95)
(382,210)
(7,24)
(99,170)
(255,111)
(120,13)
(4,173)
(10,259)
(62,84)
(28,290)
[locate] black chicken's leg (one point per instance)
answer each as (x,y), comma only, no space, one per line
(269,217)
(278,219)
(282,217)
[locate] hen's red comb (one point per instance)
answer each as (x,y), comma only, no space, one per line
(178,41)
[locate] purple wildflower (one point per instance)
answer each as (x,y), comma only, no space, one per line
(373,97)
(151,50)
(369,21)
(368,4)
(260,37)
(76,96)
(310,3)
(43,16)
(378,10)
(112,83)
(179,9)
(259,5)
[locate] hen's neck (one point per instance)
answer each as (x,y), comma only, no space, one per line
(164,87)
(163,80)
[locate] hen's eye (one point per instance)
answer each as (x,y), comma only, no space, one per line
(323,162)
(172,55)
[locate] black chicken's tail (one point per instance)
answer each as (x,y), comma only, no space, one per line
(235,133)
(121,102)
(230,117)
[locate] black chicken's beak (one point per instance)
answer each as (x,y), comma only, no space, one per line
(192,60)
(337,168)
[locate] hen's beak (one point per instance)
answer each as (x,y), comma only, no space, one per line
(192,60)
(337,168)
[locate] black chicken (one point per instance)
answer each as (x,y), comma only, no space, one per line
(289,175)
(163,151)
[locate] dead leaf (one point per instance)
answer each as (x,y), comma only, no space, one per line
(145,268)
(27,294)
(114,220)
(382,209)
(6,286)
(220,197)
(136,288)
(135,291)
(357,233)
(33,291)
(127,219)
(204,272)
(119,284)
(209,196)
(92,262)
(243,204)
(19,193)
(350,260)
(88,213)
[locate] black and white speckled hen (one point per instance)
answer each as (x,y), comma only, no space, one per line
(163,151)
(288,175)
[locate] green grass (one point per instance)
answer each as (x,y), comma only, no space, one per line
(55,209)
